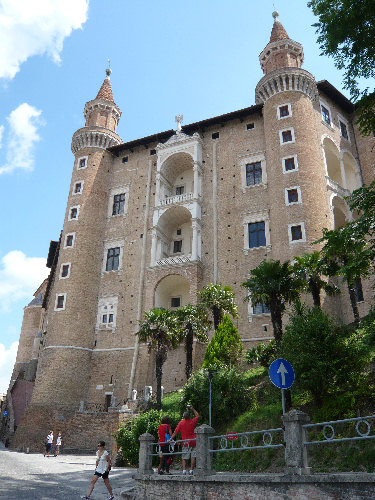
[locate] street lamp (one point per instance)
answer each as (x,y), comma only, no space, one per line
(210,373)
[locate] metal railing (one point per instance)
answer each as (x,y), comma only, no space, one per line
(327,435)
(241,439)
(180,444)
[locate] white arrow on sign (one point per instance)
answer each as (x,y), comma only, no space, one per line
(282,370)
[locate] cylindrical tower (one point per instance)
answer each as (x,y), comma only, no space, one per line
(295,165)
(73,299)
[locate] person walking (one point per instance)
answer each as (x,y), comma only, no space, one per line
(102,468)
(58,444)
(186,428)
(49,442)
(164,432)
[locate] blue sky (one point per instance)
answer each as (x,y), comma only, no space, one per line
(198,58)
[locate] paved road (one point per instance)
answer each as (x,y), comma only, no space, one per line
(34,477)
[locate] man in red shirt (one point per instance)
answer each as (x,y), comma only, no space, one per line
(186,428)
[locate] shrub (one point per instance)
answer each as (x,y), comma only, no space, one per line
(325,357)
(225,347)
(262,353)
(230,395)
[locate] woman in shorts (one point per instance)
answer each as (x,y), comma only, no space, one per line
(103,466)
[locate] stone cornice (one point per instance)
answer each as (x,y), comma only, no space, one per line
(283,80)
(94,137)
(104,105)
(286,44)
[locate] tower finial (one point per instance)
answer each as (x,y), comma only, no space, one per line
(275,14)
(108,71)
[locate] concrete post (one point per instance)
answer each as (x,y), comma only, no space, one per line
(145,450)
(204,457)
(295,436)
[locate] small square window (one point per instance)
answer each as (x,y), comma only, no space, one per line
(284,111)
(60,302)
(289,164)
(180,190)
(287,136)
(177,246)
(125,159)
(118,204)
(175,301)
(153,152)
(344,130)
(296,232)
(215,135)
(69,240)
(292,195)
(325,114)
(250,126)
(253,173)
(178,232)
(77,188)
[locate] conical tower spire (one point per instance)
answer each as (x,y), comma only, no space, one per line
(281,51)
(105,91)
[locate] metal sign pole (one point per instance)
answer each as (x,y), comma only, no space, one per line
(283,400)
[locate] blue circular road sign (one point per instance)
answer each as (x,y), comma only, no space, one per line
(281,373)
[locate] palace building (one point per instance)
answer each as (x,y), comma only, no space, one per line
(150,222)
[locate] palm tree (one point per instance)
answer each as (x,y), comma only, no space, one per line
(160,329)
(309,269)
(347,254)
(275,285)
(219,300)
(193,323)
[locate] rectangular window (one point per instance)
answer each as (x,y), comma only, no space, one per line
(60,302)
(65,270)
(325,114)
(289,164)
(253,173)
(286,136)
(292,195)
(104,318)
(69,240)
(250,126)
(177,246)
(175,301)
(296,233)
(77,188)
(344,130)
(284,111)
(178,232)
(125,159)
(215,135)
(110,318)
(180,190)
(257,235)
(82,163)
(73,213)
(260,308)
(118,204)
(113,259)
(358,290)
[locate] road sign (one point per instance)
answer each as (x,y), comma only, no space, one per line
(5,414)
(281,373)
(232,435)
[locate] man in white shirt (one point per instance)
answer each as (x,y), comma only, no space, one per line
(49,442)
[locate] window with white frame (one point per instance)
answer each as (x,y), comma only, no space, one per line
(326,113)
(82,162)
(60,301)
(69,240)
(77,187)
(113,251)
(287,136)
(107,312)
(293,195)
(64,270)
(297,232)
(118,201)
(284,111)
(290,164)
(344,128)
(257,309)
(253,170)
(73,213)
(256,231)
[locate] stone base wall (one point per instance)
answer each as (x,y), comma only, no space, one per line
(258,487)
(80,431)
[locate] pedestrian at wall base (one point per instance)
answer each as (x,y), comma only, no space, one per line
(102,468)
(186,427)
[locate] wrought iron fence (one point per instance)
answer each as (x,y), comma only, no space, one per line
(247,440)
(175,447)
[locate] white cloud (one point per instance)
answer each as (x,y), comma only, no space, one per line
(36,27)
(22,135)
(7,359)
(20,276)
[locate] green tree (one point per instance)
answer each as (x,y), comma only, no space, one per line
(309,269)
(362,203)
(193,323)
(161,330)
(346,255)
(225,347)
(346,31)
(275,285)
(218,300)
(324,356)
